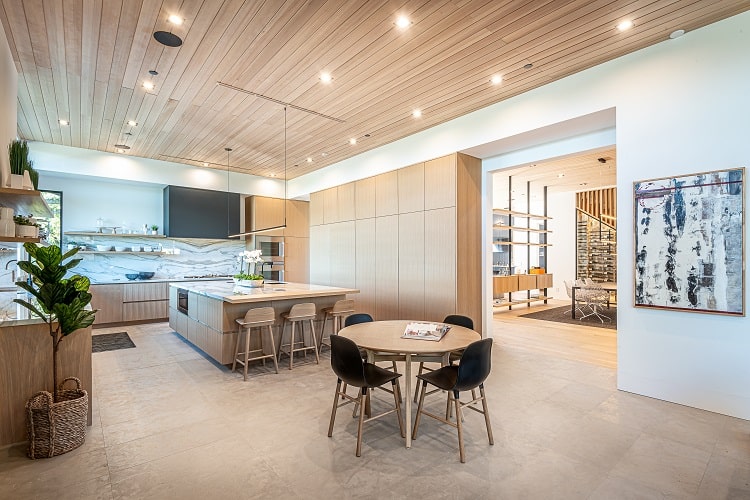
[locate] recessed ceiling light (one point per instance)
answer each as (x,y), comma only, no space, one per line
(417,113)
(560,176)
(403,22)
(132,123)
(205,164)
(625,25)
(64,123)
(273,175)
(326,77)
(353,141)
(496,79)
(323,154)
(309,160)
(584,184)
(175,19)
(148,85)
(676,34)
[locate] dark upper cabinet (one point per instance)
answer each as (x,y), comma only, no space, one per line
(200,213)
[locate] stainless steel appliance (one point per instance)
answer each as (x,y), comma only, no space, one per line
(272,252)
(182,300)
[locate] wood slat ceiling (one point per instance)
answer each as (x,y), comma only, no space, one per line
(86,60)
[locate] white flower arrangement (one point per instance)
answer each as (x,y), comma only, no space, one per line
(246,259)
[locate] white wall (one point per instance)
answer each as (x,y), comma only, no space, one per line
(8,93)
(681,107)
(561,261)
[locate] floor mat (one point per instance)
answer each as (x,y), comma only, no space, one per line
(560,315)
(111,342)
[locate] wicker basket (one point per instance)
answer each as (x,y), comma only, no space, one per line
(57,428)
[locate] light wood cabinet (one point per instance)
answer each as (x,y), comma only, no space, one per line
(297,219)
(411,264)
(330,205)
(440,182)
(411,189)
(107,299)
(416,239)
(139,292)
(346,206)
(364,198)
(386,194)
(297,259)
(142,311)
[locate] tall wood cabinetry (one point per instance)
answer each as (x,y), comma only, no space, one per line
(409,240)
(262,212)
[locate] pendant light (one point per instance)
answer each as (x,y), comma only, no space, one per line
(274,228)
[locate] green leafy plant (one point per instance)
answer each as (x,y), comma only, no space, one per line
(154,227)
(25,220)
(18,154)
(248,258)
(59,301)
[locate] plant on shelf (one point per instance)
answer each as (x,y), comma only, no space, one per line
(56,423)
(154,229)
(25,220)
(246,259)
(18,155)
(26,226)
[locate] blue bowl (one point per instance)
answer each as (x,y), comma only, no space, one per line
(145,276)
(131,276)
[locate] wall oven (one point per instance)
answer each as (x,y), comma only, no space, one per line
(273,271)
(182,300)
(271,247)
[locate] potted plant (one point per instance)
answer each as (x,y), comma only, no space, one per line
(23,175)
(244,277)
(26,226)
(56,423)
(154,229)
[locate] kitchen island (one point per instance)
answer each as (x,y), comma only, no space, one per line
(206,315)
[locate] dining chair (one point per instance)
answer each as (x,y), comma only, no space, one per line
(569,290)
(470,373)
(350,369)
(357,318)
(595,297)
(451,319)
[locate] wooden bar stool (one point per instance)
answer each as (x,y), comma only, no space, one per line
(299,314)
(340,310)
(255,318)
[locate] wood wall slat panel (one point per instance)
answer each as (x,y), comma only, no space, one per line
(366,272)
(411,189)
(346,205)
(440,263)
(469,237)
(440,182)
(386,194)
(364,198)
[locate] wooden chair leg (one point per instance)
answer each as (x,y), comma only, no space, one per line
(419,409)
(260,339)
(486,414)
(323,330)
(273,348)
(247,352)
(291,346)
(459,425)
(448,407)
(236,349)
(398,386)
(281,340)
(362,395)
(397,399)
(335,406)
(421,367)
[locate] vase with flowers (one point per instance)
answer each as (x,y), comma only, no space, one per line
(249,259)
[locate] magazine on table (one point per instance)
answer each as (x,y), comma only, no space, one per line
(425,331)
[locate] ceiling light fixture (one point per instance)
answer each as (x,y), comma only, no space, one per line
(309,160)
(64,123)
(417,113)
(560,176)
(167,37)
(205,164)
(353,141)
(148,85)
(625,25)
(403,22)
(676,34)
(528,66)
(266,229)
(496,79)
(326,77)
(132,123)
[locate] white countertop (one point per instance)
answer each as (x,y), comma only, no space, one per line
(119,281)
(228,292)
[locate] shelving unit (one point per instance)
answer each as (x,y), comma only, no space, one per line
(24,202)
(596,248)
(123,252)
(112,235)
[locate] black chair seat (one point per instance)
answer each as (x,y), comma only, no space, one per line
(442,378)
(376,376)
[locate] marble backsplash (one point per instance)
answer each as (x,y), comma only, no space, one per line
(178,258)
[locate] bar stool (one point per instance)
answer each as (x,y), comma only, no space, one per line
(255,318)
(340,310)
(299,314)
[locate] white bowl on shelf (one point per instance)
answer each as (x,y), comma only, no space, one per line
(121,249)
(103,248)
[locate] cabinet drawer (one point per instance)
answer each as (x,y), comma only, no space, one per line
(139,311)
(108,300)
(136,292)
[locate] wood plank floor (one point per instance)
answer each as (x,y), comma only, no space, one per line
(597,346)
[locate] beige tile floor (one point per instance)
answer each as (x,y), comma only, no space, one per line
(170,424)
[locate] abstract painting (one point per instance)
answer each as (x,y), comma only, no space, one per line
(690,242)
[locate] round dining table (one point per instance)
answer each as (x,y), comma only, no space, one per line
(386,337)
